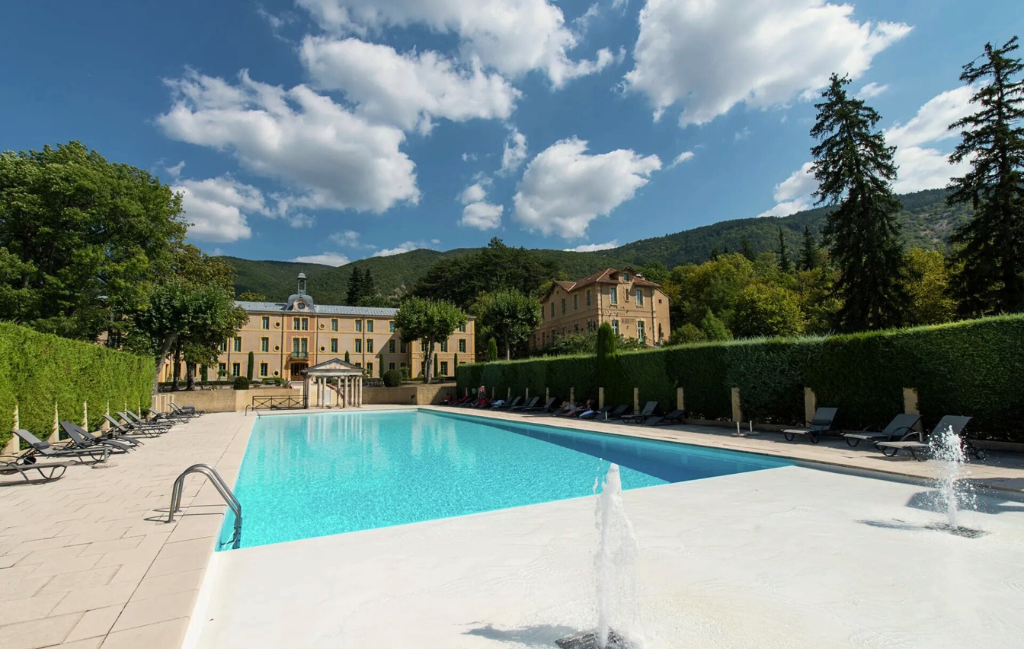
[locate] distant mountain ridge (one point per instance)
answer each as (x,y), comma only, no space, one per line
(926,219)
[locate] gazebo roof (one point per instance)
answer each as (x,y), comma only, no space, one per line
(333,367)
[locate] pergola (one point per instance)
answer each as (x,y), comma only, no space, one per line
(350,379)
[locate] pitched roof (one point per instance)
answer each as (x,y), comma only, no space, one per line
(329,309)
(603,277)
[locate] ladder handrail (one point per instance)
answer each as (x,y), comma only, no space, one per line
(218,483)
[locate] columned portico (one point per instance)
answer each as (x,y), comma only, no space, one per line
(349,391)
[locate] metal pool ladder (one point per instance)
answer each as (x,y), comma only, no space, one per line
(222,489)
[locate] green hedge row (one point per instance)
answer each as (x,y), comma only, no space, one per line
(973,367)
(38,370)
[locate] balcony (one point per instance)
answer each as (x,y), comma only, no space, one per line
(298,354)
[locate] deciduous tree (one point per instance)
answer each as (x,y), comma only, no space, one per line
(429,321)
(510,316)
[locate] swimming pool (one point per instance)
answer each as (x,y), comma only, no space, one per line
(314,475)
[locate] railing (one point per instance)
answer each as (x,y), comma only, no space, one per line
(222,489)
(276,403)
(296,354)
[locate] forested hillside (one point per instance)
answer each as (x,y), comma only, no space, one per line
(927,222)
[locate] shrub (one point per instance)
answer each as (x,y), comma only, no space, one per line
(249,366)
(37,370)
(240,383)
(967,368)
(392,379)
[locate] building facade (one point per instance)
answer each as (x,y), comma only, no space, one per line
(634,307)
(287,337)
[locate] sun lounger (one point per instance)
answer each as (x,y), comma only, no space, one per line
(643,415)
(618,412)
(188,411)
(81,439)
(140,428)
(508,404)
(596,414)
(919,448)
(822,423)
(545,407)
(529,404)
(136,420)
(123,430)
(899,426)
(674,417)
(11,464)
(98,453)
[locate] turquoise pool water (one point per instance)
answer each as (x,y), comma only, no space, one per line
(313,475)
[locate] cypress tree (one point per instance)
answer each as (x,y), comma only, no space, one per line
(991,245)
(784,262)
(855,171)
(355,287)
(369,287)
(346,357)
(605,352)
(492,350)
(204,374)
(809,254)
(249,368)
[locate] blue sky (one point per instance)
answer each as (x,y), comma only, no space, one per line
(332,130)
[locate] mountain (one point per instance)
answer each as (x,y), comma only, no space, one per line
(926,219)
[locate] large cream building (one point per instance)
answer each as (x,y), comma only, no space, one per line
(634,307)
(287,337)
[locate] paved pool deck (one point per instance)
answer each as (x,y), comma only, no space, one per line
(87,561)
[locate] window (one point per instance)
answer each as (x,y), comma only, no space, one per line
(552,309)
(639,297)
(462,327)
(391,366)
(369,326)
(588,297)
(613,296)
(625,277)
(360,365)
(222,369)
(265,322)
(334,345)
(263,369)
(576,302)
(296,324)
(369,345)
(641,334)
(391,348)
(359,325)
(615,327)
(334,324)
(238,344)
(236,369)
(401,347)
(563,306)
(369,369)
(224,346)
(264,344)
(444,368)
(544,339)
(462,345)
(359,346)
(576,328)
(391,328)
(590,327)
(423,346)
(305,324)
(444,345)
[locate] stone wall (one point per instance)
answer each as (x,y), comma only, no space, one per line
(226,400)
(410,395)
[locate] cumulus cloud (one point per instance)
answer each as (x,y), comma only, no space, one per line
(482,215)
(327,259)
(514,153)
(920,166)
(513,36)
(217,208)
(871,90)
(681,158)
(761,54)
(407,246)
(406,90)
(564,188)
(473,193)
(594,247)
(349,238)
(334,158)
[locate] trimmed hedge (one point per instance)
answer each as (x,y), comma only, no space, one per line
(38,369)
(973,367)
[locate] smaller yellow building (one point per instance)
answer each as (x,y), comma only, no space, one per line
(287,337)
(634,307)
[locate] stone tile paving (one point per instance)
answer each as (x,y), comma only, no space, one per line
(87,561)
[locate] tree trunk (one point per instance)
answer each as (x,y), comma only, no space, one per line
(177,367)
(508,350)
(427,360)
(190,376)
(165,349)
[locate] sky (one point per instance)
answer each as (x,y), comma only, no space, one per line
(327,131)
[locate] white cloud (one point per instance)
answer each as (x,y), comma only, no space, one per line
(742,134)
(685,156)
(407,246)
(514,153)
(327,259)
(336,159)
(467,157)
(710,56)
(871,90)
(406,90)
(482,215)
(513,36)
(175,170)
(920,167)
(217,208)
(563,189)
(349,238)
(594,247)
(473,193)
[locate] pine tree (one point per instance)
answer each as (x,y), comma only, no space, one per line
(746,249)
(369,287)
(784,264)
(854,169)
(355,287)
(991,245)
(809,254)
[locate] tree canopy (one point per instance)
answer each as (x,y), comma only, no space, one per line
(429,321)
(509,316)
